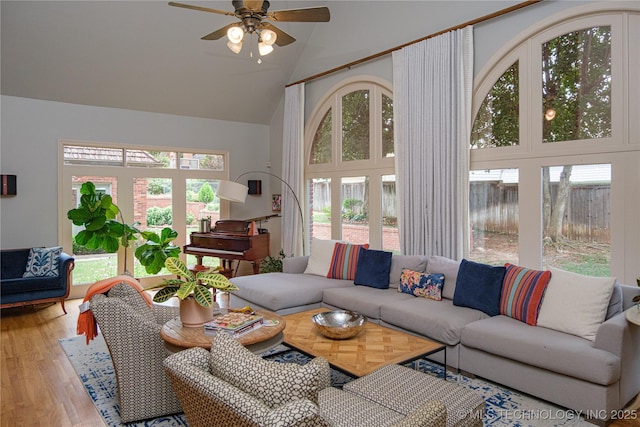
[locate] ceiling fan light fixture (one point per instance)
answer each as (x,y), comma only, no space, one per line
(234,47)
(264,49)
(235,35)
(268,37)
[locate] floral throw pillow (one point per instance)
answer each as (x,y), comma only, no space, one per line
(422,284)
(43,262)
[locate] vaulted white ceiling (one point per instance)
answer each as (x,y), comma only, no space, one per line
(148,56)
(142,55)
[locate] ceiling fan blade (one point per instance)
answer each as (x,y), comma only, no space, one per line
(254,5)
(310,14)
(202,9)
(283,38)
(219,33)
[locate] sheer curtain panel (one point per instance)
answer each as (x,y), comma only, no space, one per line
(292,170)
(432,114)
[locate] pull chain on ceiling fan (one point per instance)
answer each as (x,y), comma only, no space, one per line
(253,15)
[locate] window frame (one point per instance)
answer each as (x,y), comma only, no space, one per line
(621,150)
(125,194)
(375,167)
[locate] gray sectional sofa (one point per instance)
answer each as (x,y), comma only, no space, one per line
(594,378)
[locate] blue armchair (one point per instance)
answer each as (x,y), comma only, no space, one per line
(16,290)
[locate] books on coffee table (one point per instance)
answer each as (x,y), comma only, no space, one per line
(235,324)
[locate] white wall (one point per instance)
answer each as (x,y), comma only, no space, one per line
(28,148)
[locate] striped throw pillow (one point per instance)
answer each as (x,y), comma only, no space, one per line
(522,293)
(344,261)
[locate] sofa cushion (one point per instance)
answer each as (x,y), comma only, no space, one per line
(373,269)
(522,293)
(362,299)
(615,303)
(448,267)
(43,262)
(13,262)
(345,261)
(421,284)
(278,291)
(479,286)
(544,348)
(320,257)
(401,262)
(575,304)
(437,320)
(272,382)
(340,408)
(33,285)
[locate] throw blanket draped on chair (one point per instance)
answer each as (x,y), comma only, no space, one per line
(86,321)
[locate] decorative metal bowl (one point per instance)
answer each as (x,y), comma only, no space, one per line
(339,324)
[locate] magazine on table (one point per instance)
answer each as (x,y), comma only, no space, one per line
(232,323)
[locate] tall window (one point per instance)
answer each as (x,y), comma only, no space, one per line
(552,111)
(350,167)
(153,188)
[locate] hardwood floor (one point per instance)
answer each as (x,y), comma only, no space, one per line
(39,386)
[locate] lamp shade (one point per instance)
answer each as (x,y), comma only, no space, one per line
(232,191)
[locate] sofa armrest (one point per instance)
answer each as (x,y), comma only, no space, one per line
(164,313)
(295,265)
(300,412)
(611,334)
(66,264)
(622,338)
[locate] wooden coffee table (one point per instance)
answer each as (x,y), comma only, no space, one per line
(375,347)
(177,337)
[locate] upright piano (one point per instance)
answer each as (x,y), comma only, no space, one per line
(230,240)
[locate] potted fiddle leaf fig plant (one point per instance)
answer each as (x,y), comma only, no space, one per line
(98,215)
(193,290)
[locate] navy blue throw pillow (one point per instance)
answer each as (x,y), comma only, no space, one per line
(373,268)
(479,286)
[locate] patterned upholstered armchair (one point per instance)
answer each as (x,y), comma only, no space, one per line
(131,330)
(230,386)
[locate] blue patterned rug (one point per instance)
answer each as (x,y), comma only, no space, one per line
(504,407)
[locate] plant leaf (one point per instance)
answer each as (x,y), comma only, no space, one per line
(156,264)
(83,237)
(165,293)
(96,223)
(177,267)
(88,188)
(168,234)
(217,281)
(110,244)
(203,296)
(185,290)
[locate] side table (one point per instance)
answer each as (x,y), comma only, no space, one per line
(177,337)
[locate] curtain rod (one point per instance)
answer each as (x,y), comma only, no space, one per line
(393,49)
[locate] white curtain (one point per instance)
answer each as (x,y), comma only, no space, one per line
(293,170)
(432,115)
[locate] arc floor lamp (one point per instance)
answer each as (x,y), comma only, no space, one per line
(234,191)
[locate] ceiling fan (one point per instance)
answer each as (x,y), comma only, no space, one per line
(253,15)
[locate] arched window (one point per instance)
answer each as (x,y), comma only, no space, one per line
(349,168)
(550,152)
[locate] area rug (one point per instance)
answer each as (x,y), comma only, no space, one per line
(504,407)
